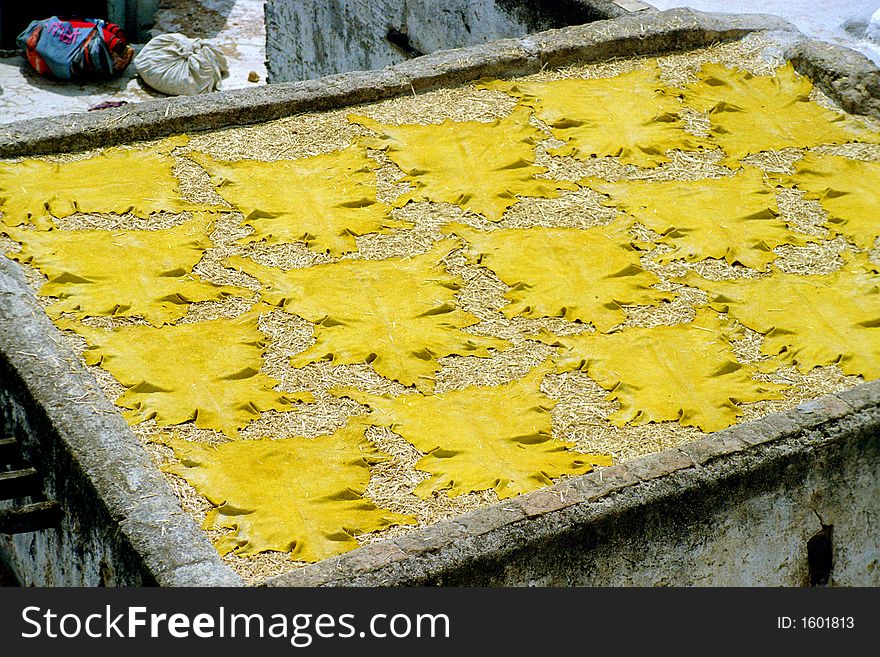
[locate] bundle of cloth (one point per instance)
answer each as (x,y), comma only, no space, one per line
(75,49)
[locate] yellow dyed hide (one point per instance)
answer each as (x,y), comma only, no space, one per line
(205,372)
(116,181)
(398,314)
(754,113)
(632,116)
(325,200)
(297,495)
(481,438)
(686,373)
(849,190)
(734,218)
(122,273)
(809,321)
(481,167)
(581,275)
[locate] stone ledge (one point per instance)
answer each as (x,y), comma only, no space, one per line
(629,35)
(374,555)
(483,521)
(431,538)
(97,446)
(603,481)
(862,396)
(548,500)
(703,450)
(605,492)
(849,77)
(659,464)
(639,34)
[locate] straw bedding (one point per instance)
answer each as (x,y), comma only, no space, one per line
(581,411)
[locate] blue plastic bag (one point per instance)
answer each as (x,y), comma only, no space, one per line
(72,49)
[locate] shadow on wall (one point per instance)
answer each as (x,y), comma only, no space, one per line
(306,40)
(7,578)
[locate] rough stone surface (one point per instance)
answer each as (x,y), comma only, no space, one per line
(549,499)
(603,482)
(755,434)
(374,556)
(719,444)
(824,409)
(640,34)
(847,76)
(483,521)
(660,464)
(307,40)
(432,538)
(863,396)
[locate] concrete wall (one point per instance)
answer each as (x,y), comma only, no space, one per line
(307,40)
(84,550)
(135,16)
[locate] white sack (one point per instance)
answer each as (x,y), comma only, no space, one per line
(179,66)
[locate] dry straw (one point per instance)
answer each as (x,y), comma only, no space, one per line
(581,411)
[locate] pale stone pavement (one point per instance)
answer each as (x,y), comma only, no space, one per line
(237,27)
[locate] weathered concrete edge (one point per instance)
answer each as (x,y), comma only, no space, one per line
(419,556)
(174,550)
(847,76)
(632,35)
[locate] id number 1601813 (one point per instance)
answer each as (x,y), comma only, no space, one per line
(815,623)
